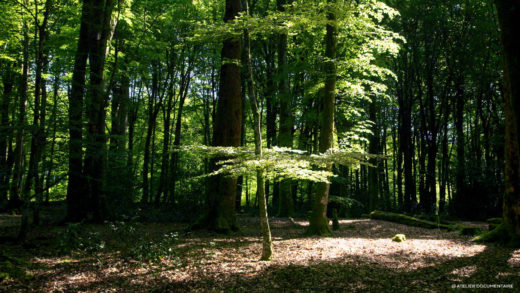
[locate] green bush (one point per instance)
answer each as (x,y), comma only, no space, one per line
(154,251)
(76,237)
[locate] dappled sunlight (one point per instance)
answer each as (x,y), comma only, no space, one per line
(463,272)
(514,261)
(349,259)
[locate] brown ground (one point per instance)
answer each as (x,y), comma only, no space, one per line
(360,257)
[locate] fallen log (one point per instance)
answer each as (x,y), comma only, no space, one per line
(410,221)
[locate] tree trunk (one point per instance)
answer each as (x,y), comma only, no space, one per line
(183,93)
(54,121)
(77,199)
(285,137)
(19,152)
(8,79)
(459,201)
(373,180)
(267,244)
(509,17)
(95,153)
(227,130)
(319,223)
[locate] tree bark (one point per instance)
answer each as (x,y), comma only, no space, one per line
(95,152)
(509,18)
(267,244)
(76,197)
(8,80)
(319,223)
(19,152)
(227,130)
(285,135)
(373,179)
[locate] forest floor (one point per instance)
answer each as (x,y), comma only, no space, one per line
(360,257)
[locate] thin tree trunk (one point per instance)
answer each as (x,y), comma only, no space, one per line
(183,93)
(54,121)
(373,179)
(267,244)
(19,152)
(8,80)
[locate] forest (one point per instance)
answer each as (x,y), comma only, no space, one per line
(259,145)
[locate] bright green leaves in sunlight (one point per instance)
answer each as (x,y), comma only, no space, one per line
(279,163)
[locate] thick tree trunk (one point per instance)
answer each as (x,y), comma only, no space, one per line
(509,17)
(77,199)
(319,223)
(285,136)
(118,173)
(95,153)
(227,130)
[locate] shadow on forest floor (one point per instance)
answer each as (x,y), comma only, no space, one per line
(360,256)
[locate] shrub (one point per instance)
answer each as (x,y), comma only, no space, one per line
(76,237)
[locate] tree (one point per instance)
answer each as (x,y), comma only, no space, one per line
(509,18)
(87,194)
(227,131)
(267,244)
(319,223)
(76,197)
(285,135)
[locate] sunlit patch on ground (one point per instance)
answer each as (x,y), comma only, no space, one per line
(514,261)
(360,256)
(464,272)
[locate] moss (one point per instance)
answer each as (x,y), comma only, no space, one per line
(322,230)
(469,230)
(495,221)
(410,221)
(502,234)
(219,225)
(399,238)
(264,258)
(433,218)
